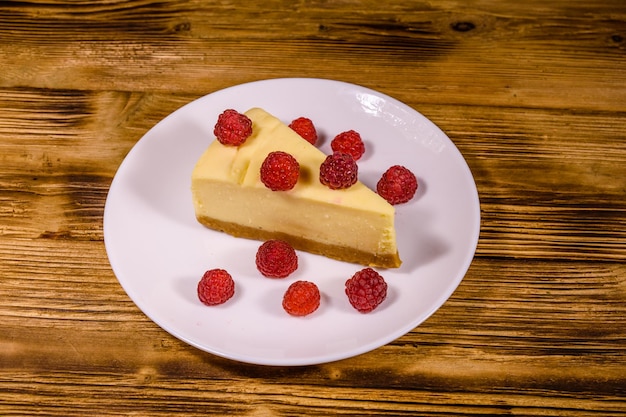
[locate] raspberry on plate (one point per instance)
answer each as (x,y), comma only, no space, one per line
(232,128)
(305,128)
(366,290)
(280,171)
(276,259)
(216,287)
(349,142)
(301,298)
(397,185)
(339,171)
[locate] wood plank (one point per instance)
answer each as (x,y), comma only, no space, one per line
(48,131)
(415,52)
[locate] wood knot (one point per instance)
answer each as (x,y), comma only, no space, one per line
(59,235)
(462,26)
(183,27)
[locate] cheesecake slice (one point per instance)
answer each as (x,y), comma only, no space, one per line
(353,225)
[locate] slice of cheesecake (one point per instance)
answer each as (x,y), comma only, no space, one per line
(353,225)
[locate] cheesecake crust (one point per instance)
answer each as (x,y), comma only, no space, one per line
(341,253)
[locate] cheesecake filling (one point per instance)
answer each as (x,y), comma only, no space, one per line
(355,224)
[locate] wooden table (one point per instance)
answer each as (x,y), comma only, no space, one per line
(533,94)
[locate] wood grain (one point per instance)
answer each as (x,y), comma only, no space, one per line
(533,95)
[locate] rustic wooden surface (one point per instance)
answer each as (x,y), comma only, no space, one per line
(533,93)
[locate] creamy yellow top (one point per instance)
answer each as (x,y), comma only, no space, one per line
(241,165)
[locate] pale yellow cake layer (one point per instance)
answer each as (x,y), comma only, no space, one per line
(363,230)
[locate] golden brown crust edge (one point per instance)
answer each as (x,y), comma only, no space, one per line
(331,251)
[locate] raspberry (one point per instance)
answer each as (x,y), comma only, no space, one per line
(232,128)
(366,290)
(338,171)
(397,185)
(280,171)
(215,287)
(301,298)
(349,142)
(305,128)
(276,259)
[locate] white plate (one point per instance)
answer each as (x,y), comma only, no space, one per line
(159,252)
